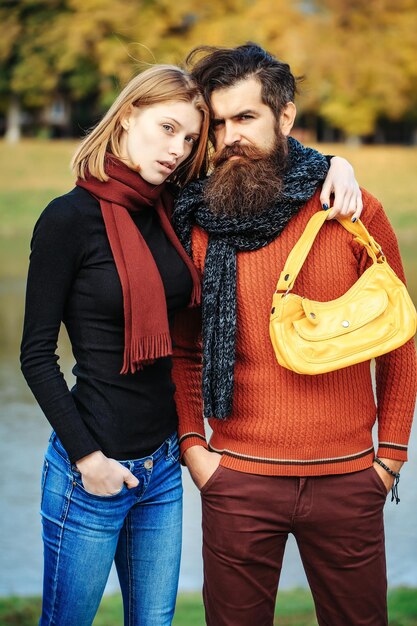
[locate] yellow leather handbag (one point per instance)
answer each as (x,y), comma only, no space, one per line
(376,315)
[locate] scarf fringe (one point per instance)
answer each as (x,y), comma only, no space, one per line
(195,299)
(143,351)
(146,335)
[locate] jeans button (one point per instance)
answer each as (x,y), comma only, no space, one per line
(148,464)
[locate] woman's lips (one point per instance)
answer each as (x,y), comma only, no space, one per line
(167,165)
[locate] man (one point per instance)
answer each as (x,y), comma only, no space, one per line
(288,453)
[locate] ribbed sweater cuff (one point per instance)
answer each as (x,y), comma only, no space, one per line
(393,451)
(187,440)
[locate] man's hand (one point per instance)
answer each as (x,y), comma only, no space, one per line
(386,478)
(102,476)
(201,463)
(341,182)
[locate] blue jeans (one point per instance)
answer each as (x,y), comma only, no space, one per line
(140,529)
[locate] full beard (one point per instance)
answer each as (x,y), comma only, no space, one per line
(248,185)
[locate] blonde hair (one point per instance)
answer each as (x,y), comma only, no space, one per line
(160,83)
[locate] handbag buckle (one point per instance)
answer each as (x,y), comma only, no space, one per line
(285,293)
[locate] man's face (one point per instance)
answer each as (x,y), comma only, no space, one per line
(240,117)
(251,151)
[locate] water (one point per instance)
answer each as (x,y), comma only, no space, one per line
(23,437)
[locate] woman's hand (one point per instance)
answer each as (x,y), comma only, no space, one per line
(102,476)
(341,182)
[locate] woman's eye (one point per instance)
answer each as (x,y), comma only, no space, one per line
(168,127)
(191,140)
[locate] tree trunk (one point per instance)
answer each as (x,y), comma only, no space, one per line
(13,121)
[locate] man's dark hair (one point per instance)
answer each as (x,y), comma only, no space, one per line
(216,68)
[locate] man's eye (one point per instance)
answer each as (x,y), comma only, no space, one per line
(216,124)
(246,117)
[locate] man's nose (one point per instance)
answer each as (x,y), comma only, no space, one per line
(231,135)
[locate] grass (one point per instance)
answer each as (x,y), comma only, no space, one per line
(295,608)
(33,172)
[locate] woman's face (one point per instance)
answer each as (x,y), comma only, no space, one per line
(159,137)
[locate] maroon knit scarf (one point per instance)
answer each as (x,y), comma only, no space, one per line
(147,335)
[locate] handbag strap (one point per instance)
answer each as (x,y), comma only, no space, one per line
(303,246)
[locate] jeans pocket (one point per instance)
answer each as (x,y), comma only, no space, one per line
(173,453)
(78,482)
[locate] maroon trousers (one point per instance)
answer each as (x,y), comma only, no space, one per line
(337,522)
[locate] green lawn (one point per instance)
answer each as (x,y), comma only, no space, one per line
(294,608)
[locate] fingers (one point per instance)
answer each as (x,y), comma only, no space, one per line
(347,203)
(341,185)
(359,206)
(325,194)
(130,480)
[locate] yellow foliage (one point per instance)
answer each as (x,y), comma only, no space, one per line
(9,32)
(359,58)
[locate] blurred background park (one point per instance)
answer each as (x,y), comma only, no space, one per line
(61,64)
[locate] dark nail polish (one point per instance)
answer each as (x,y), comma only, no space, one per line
(354,219)
(325,207)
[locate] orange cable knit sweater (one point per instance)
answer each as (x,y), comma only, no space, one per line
(284,423)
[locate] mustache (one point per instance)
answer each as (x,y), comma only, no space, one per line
(248,152)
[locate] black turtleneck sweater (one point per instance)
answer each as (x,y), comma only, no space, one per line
(73,278)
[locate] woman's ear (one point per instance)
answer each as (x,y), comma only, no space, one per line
(287,118)
(125,118)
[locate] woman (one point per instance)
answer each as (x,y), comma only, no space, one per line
(107,263)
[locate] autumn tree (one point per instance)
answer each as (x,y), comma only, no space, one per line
(360,58)
(34,41)
(90,48)
(363,63)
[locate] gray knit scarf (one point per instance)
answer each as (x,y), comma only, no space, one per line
(227,235)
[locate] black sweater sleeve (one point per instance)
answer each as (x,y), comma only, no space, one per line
(56,254)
